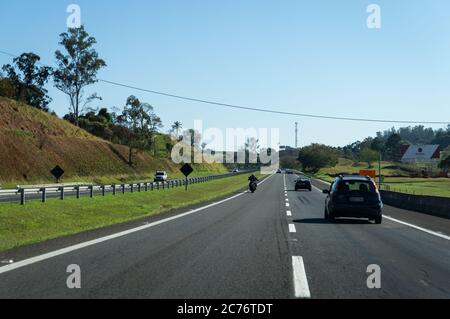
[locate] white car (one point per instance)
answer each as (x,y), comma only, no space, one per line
(161,176)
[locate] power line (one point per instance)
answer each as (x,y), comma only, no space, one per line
(264,110)
(261,110)
(10,54)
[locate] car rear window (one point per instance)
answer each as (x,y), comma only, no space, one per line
(356,186)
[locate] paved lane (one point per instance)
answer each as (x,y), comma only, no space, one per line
(234,250)
(413,264)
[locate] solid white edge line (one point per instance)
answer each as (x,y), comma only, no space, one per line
(318,189)
(292,228)
(430,232)
(69,249)
(418,228)
(300,281)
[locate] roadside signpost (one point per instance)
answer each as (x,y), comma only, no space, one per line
(57,172)
(186,170)
(368,172)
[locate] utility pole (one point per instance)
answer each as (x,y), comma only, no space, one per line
(296,135)
(379,172)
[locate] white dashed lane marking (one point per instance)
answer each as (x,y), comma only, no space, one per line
(300,281)
(292,228)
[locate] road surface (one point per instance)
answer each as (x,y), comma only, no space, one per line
(271,244)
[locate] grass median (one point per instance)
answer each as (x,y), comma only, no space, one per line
(36,222)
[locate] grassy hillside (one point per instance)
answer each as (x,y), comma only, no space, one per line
(32,142)
(346,166)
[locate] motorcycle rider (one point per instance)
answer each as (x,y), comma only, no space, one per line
(252,180)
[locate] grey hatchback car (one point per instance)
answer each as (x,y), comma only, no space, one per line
(353,196)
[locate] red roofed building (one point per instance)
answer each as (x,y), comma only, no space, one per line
(421,153)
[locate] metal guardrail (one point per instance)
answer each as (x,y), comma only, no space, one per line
(115,189)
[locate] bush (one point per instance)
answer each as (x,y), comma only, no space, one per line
(7,88)
(317,156)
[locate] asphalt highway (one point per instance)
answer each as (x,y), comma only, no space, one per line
(271,244)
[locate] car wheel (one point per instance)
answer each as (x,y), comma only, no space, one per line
(326,214)
(331,217)
(379,220)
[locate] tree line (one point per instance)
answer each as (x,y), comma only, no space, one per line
(386,145)
(389,143)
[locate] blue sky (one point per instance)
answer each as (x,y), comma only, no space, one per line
(297,56)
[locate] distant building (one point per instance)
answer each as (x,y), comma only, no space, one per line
(421,153)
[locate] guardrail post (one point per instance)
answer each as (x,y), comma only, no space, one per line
(114,190)
(139,187)
(103,190)
(22,196)
(123,188)
(164,185)
(152,186)
(132,188)
(77,189)
(91,191)
(44,194)
(62,193)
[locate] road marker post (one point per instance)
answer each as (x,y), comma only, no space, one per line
(44,194)
(22,196)
(186,170)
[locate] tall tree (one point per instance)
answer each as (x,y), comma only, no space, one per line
(29,80)
(393,145)
(176,128)
(368,156)
(141,123)
(77,68)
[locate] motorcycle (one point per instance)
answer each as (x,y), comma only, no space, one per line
(253,186)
